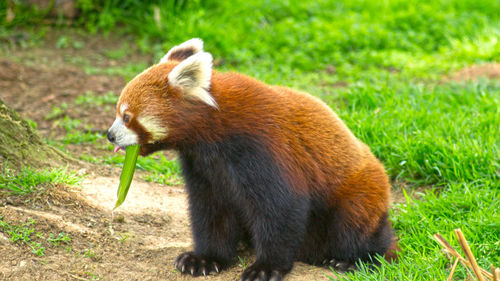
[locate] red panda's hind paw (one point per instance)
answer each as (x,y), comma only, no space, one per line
(192,264)
(340,266)
(262,273)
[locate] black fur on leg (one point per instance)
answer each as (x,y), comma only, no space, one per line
(235,187)
(329,241)
(214,217)
(355,244)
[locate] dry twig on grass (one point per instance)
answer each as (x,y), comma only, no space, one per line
(469,261)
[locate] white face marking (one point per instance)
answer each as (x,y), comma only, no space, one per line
(123,135)
(123,107)
(154,126)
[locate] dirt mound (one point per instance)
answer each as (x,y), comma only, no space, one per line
(474,72)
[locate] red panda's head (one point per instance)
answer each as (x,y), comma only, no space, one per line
(150,107)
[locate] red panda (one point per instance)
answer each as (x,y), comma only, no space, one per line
(264,164)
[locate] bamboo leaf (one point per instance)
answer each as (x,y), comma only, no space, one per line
(131,153)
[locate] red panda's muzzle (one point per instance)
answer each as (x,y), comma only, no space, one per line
(120,135)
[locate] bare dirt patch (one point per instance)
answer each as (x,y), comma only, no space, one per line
(35,91)
(474,72)
(141,239)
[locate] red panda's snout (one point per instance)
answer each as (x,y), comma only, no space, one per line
(120,135)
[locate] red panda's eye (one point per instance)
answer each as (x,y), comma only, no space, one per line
(126,118)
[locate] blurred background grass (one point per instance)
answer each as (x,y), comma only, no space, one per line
(418,38)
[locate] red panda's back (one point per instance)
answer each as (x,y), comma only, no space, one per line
(302,132)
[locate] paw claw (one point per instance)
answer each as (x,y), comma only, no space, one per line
(192,264)
(275,276)
(341,266)
(262,273)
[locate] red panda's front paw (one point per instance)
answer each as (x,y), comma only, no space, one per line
(262,273)
(192,264)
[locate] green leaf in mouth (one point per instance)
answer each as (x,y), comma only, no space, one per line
(131,153)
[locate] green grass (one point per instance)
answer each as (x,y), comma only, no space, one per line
(24,233)
(76,131)
(64,42)
(57,111)
(428,134)
(79,137)
(90,99)
(380,65)
(129,71)
(272,39)
(119,54)
(28,180)
(60,238)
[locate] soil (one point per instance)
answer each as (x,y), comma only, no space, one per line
(139,240)
(474,72)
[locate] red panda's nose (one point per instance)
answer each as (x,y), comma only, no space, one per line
(111,137)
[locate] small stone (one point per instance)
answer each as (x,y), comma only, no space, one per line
(10,201)
(119,219)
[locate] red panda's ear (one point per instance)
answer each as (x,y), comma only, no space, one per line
(184,50)
(192,76)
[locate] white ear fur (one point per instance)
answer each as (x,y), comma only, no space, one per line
(194,45)
(192,76)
